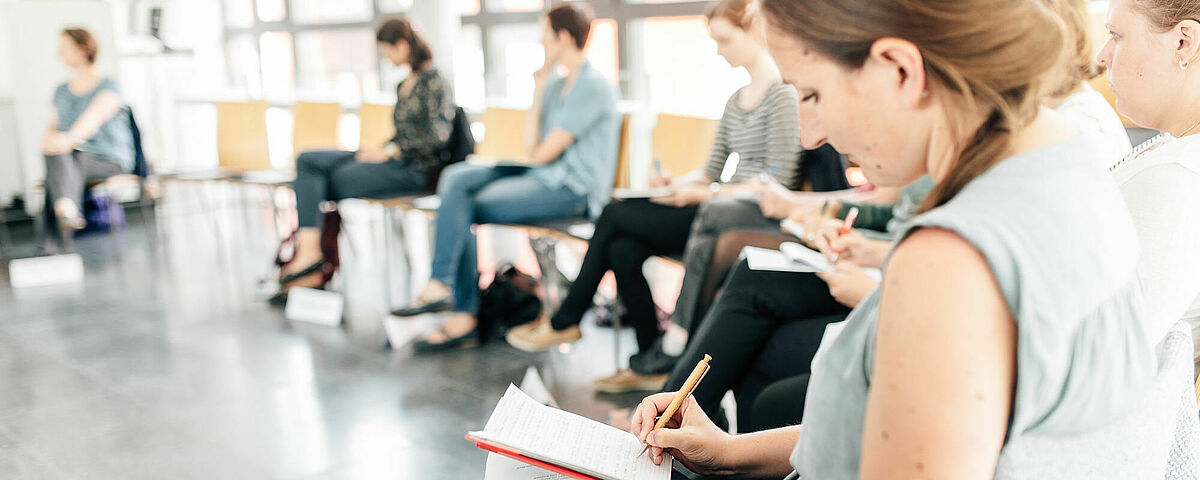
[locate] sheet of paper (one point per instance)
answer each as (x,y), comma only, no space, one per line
(632,193)
(566,439)
(533,386)
(801,254)
(500,467)
(763,259)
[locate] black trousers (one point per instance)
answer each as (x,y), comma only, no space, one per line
(627,233)
(764,327)
(335,175)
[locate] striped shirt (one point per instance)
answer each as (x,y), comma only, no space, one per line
(765,136)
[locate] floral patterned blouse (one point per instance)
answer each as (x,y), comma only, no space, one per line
(424,120)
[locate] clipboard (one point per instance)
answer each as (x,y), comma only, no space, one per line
(516,455)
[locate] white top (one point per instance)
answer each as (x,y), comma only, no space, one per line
(1161,186)
(1090,112)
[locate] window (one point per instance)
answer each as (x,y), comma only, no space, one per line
(278,64)
(337,62)
(681,68)
(332,11)
(468,69)
(270,10)
(395,6)
(468,7)
(516,52)
(602,48)
(243,65)
(515,5)
(239,13)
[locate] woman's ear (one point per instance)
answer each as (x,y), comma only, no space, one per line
(1188,48)
(902,61)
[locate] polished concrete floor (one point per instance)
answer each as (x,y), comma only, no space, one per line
(166,363)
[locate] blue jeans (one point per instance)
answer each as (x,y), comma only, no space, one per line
(476,195)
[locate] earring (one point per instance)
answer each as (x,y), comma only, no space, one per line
(1182,64)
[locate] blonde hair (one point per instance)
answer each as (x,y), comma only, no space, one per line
(992,62)
(1080,58)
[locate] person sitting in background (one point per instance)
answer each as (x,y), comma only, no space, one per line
(571,138)
(1151,56)
(781,317)
(1010,306)
(86,140)
(759,124)
(424,119)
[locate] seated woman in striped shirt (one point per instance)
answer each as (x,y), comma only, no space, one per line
(760,124)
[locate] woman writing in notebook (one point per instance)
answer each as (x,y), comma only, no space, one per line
(759,125)
(991,309)
(1151,55)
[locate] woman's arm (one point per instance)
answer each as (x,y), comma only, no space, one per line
(1164,202)
(692,438)
(944,367)
(104,106)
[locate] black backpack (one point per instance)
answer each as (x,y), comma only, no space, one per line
(510,301)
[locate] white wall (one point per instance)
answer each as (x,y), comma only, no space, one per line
(10,165)
(32,32)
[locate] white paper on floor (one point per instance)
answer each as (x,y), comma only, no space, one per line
(314,306)
(48,270)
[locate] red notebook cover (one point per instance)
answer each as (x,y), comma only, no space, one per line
(515,455)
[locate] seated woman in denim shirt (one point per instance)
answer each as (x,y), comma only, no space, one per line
(86,139)
(572,141)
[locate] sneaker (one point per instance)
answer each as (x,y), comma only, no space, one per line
(629,381)
(540,336)
(653,361)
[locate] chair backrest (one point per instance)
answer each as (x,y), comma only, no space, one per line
(315,126)
(1161,433)
(683,143)
(460,144)
(375,125)
(242,136)
(622,178)
(504,130)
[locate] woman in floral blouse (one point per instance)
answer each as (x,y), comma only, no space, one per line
(423,118)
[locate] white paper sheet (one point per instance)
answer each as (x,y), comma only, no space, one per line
(500,467)
(801,254)
(566,439)
(763,259)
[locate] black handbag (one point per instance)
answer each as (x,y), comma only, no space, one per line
(509,301)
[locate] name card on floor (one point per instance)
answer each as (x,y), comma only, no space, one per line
(48,270)
(314,306)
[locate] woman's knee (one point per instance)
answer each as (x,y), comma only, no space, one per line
(454,177)
(626,255)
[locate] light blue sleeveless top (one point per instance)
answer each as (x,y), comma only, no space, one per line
(1055,232)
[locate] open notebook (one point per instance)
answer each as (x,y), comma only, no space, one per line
(526,430)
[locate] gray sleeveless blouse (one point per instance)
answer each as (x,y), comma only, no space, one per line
(1055,232)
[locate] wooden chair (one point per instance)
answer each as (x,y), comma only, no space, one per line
(242,136)
(315,126)
(682,142)
(375,125)
(504,130)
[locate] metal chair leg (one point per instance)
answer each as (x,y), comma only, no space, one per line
(388,225)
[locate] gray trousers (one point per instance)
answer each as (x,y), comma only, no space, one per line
(66,176)
(715,217)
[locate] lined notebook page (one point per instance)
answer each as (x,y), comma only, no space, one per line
(566,439)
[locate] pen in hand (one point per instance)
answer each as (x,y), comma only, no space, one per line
(847,226)
(688,386)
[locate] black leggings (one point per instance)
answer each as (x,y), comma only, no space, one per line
(764,327)
(627,233)
(335,175)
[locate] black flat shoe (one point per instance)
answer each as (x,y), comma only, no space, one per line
(317,266)
(653,361)
(440,305)
(467,340)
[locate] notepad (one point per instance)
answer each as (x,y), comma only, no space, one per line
(526,428)
(802,254)
(764,259)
